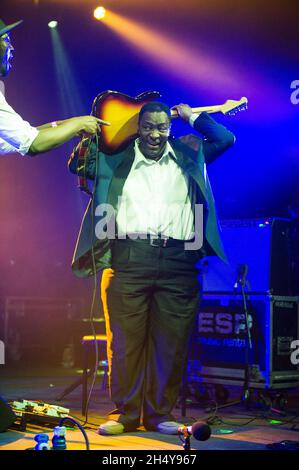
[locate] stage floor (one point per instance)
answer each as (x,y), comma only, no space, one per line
(233,428)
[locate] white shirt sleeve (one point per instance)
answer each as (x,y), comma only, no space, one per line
(16,135)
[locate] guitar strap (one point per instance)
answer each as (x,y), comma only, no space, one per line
(82,149)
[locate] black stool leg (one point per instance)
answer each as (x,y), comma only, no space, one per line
(84,379)
(184,394)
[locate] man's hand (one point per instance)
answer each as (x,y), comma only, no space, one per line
(50,137)
(89,125)
(184,111)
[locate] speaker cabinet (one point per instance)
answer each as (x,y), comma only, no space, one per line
(37,329)
(220,349)
(260,247)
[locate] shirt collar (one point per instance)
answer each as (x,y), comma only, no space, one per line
(141,159)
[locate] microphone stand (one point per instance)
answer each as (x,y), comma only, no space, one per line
(242,282)
(185,439)
(186,443)
(246,391)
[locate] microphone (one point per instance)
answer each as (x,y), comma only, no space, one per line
(242,272)
(199,430)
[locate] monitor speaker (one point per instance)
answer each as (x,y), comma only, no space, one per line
(7,416)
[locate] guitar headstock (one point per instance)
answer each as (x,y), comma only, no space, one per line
(232,107)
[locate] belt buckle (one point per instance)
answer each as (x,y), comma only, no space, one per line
(160,242)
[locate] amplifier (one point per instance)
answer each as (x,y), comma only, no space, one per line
(220,348)
(37,329)
(262,247)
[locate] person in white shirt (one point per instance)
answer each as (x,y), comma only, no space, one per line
(16,134)
(149,286)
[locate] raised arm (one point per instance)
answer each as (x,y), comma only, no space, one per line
(217,138)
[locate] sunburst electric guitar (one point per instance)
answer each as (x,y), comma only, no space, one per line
(122,112)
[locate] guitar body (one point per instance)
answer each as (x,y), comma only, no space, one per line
(122,112)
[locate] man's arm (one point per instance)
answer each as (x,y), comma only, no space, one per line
(217,138)
(50,137)
(17,135)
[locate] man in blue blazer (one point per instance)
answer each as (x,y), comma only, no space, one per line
(151,219)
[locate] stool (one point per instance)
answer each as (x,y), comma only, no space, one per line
(88,344)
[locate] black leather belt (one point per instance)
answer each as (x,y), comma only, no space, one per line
(157,242)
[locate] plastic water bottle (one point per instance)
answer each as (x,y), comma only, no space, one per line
(58,440)
(42,442)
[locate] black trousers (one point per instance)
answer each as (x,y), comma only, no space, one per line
(150,298)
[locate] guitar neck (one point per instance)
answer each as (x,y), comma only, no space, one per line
(208,109)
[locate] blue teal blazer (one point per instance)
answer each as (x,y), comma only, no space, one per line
(109,173)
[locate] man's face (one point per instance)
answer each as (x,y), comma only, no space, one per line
(6,49)
(154,130)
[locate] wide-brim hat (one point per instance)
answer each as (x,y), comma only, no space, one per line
(5,28)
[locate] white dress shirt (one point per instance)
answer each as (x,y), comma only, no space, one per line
(156,198)
(16,135)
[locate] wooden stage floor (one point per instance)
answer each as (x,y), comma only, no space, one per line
(233,428)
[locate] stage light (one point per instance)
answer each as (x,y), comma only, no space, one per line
(71,101)
(224,431)
(99,13)
(53,24)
